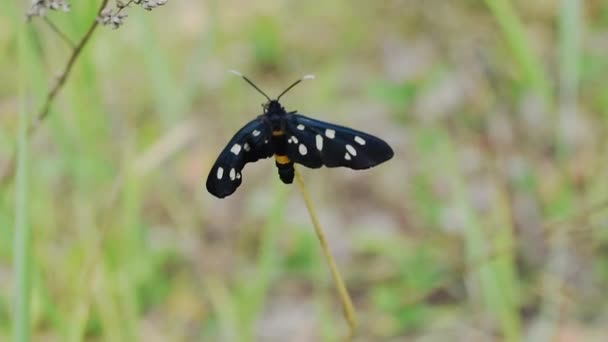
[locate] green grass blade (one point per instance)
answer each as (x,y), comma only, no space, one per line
(556,272)
(225,309)
(482,237)
(514,32)
(570,34)
(22,248)
(268,266)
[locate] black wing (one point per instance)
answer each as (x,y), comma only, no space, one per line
(315,143)
(249,144)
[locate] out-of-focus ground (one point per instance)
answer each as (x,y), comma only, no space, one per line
(454,238)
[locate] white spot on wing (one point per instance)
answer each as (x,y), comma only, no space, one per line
(330,133)
(236,149)
(302,149)
(301,127)
(359,140)
(295,140)
(255,133)
(238,175)
(220,172)
(246,147)
(289,141)
(351,150)
(347,156)
(232,174)
(319,142)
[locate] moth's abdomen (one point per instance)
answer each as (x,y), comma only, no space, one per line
(283,163)
(286,172)
(285,167)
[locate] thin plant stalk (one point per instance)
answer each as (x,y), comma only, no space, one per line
(7,174)
(60,33)
(345,299)
(22,247)
(570,33)
(559,263)
(515,36)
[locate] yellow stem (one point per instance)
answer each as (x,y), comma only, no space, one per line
(347,304)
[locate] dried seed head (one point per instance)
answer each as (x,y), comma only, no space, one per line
(108,17)
(39,8)
(149,5)
(115,17)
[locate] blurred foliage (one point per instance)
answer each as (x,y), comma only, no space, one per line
(488,224)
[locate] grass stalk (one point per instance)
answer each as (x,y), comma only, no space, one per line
(515,35)
(251,297)
(488,241)
(45,110)
(569,60)
(557,268)
(347,304)
(22,247)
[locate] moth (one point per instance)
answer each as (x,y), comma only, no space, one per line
(292,138)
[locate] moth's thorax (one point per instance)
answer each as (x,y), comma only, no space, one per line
(275,114)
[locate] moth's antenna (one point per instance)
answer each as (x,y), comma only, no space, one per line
(251,83)
(307,77)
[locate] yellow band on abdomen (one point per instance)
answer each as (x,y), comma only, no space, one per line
(281,159)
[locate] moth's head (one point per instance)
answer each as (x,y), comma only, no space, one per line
(272,106)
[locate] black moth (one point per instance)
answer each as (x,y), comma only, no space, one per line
(292,138)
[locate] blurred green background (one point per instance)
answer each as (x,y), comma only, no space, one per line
(496,111)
